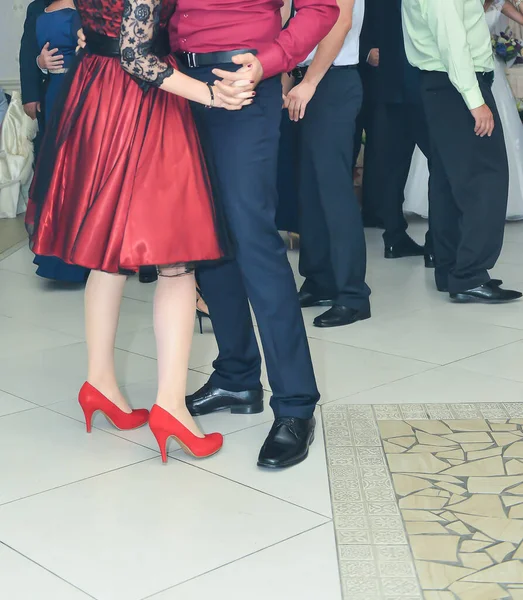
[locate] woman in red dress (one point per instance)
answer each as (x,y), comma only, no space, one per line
(121,183)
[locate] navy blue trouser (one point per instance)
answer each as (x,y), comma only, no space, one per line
(244,147)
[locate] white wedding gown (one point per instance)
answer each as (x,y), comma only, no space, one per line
(416,190)
(16,159)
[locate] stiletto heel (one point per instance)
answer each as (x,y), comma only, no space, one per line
(164,426)
(200,314)
(162,438)
(88,414)
(92,401)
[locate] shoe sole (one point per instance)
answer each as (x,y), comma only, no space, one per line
(318,303)
(481,301)
(390,257)
(252,409)
(290,463)
(343,324)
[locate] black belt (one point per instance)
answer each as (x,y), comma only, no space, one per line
(192,60)
(299,72)
(103,45)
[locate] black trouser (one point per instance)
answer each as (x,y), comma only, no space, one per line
(404,128)
(468,185)
(372,117)
(244,145)
(332,241)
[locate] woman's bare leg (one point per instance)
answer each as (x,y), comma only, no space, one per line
(174,309)
(103,297)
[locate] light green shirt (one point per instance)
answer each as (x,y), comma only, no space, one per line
(450,36)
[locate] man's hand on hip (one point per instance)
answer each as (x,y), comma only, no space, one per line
(484,121)
(32,109)
(50,60)
(298,99)
(248,76)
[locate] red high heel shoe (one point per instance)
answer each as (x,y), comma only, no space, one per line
(164,426)
(92,401)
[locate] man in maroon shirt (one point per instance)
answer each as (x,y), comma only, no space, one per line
(243,44)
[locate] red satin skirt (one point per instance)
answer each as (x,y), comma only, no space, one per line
(121,179)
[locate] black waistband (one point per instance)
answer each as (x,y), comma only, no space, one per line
(192,60)
(103,45)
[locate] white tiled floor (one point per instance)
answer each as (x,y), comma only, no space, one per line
(100,517)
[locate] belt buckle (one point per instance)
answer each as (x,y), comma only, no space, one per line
(191,60)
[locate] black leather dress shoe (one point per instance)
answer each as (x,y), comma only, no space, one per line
(307,299)
(406,247)
(429,260)
(287,443)
(341,315)
(488,293)
(212,399)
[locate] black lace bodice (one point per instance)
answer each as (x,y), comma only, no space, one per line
(137,23)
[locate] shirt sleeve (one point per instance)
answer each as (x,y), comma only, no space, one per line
(313,21)
(30,74)
(445,20)
(140,26)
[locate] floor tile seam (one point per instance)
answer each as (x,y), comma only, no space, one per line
(375,387)
(252,488)
(114,433)
(31,560)
(20,398)
(305,531)
(513,343)
(23,410)
(7,253)
(435,364)
(76,481)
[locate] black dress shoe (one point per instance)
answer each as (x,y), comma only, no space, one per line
(287,443)
(406,247)
(307,299)
(429,261)
(341,315)
(148,274)
(212,399)
(488,293)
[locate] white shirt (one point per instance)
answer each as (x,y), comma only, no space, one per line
(350,51)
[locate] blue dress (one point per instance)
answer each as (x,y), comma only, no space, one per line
(59,28)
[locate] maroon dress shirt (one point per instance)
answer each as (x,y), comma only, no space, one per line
(221,25)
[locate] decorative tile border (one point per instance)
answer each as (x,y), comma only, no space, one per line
(375,558)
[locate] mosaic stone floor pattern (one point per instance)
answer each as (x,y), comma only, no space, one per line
(428,500)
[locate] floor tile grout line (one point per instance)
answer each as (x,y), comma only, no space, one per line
(250,487)
(64,485)
(327,402)
(238,559)
(7,253)
(46,569)
(120,437)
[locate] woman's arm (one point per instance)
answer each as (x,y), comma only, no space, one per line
(510,11)
(140,25)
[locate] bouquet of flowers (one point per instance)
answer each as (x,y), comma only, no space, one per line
(520,109)
(507,47)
